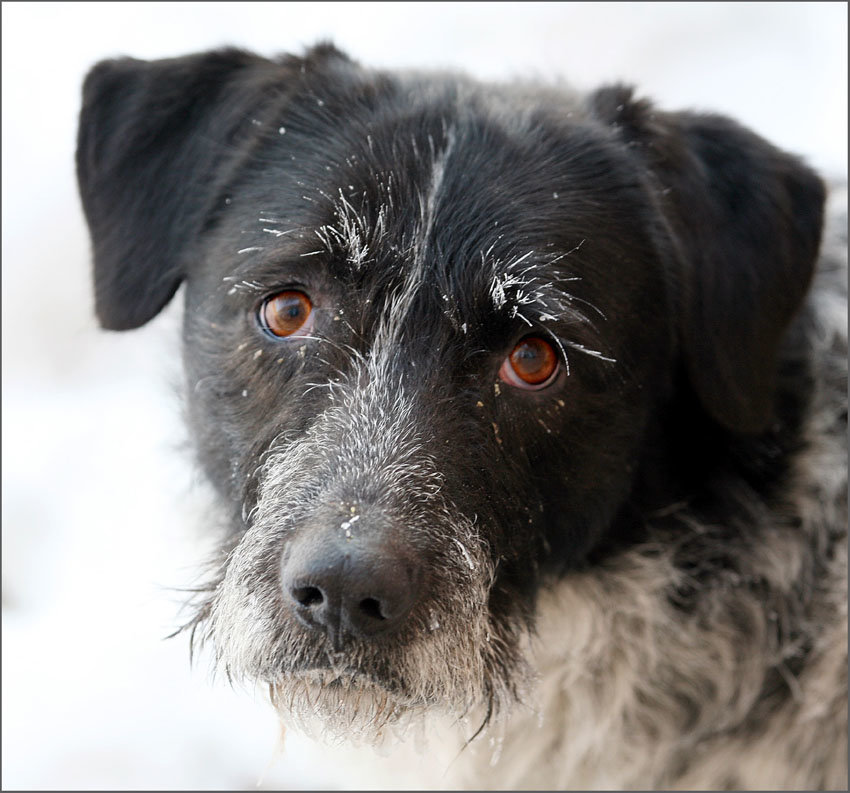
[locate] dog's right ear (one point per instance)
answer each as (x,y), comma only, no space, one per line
(154,145)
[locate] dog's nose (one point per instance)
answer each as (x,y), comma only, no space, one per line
(344,586)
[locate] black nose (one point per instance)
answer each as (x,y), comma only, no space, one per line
(361,586)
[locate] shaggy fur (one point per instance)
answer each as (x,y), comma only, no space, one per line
(633,576)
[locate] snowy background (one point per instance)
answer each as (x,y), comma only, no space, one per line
(102,518)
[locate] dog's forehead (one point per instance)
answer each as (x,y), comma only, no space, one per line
(438,193)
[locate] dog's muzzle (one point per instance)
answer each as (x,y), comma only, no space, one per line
(359,590)
(346,575)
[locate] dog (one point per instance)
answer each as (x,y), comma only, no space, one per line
(525,408)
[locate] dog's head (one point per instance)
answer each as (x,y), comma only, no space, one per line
(433,333)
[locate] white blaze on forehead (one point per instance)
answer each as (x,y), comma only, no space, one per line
(428,204)
(399,304)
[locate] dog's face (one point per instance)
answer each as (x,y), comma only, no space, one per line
(433,335)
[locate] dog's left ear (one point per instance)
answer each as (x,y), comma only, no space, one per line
(155,140)
(745,219)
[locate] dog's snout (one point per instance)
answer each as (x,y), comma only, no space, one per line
(350,587)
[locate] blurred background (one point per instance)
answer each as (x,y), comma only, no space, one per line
(103,519)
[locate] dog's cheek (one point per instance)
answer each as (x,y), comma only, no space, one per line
(580,448)
(240,391)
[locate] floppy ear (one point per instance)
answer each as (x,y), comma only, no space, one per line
(154,144)
(746,222)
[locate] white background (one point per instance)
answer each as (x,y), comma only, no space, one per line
(101,520)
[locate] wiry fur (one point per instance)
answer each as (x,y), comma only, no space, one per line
(633,577)
(421,668)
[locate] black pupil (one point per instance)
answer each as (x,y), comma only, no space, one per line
(290,308)
(286,313)
(529,357)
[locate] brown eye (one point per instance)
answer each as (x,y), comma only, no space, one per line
(533,364)
(287,314)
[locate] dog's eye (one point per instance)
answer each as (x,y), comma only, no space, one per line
(287,313)
(532,365)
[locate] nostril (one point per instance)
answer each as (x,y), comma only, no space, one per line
(354,590)
(371,608)
(308,595)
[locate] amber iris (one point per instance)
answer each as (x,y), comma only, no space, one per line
(533,360)
(286,312)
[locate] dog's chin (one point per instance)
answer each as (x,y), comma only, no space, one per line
(360,699)
(351,707)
